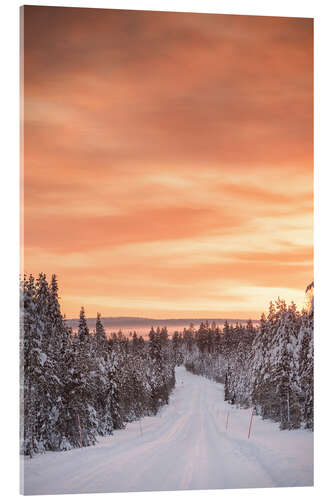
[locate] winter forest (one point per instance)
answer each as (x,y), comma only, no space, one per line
(76,386)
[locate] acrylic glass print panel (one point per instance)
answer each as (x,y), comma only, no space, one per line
(167,280)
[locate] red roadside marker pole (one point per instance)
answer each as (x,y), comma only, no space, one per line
(250,426)
(78,419)
(226,424)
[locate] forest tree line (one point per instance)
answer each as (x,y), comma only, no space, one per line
(269,367)
(76,386)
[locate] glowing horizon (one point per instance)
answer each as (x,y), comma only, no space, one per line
(168,160)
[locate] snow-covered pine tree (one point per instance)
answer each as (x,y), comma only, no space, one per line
(44,386)
(306,356)
(58,342)
(31,342)
(83,330)
(100,332)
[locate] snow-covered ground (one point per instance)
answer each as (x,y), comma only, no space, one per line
(186,446)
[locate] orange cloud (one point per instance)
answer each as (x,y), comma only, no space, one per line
(168,159)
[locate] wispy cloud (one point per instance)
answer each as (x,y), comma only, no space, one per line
(168,159)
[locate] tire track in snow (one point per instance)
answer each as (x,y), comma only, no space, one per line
(184,446)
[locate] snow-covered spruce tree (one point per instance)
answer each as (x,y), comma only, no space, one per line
(83,330)
(94,347)
(121,376)
(176,345)
(294,396)
(58,344)
(31,358)
(100,335)
(135,343)
(105,396)
(133,399)
(103,380)
(155,375)
(237,343)
(273,366)
(306,356)
(85,384)
(48,386)
(306,359)
(261,385)
(188,339)
(44,335)
(161,370)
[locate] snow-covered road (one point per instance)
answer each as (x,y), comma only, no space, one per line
(186,446)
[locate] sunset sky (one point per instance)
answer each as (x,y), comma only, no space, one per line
(168,160)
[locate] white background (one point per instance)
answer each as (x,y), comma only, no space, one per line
(10,253)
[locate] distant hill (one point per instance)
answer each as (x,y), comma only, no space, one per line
(129,322)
